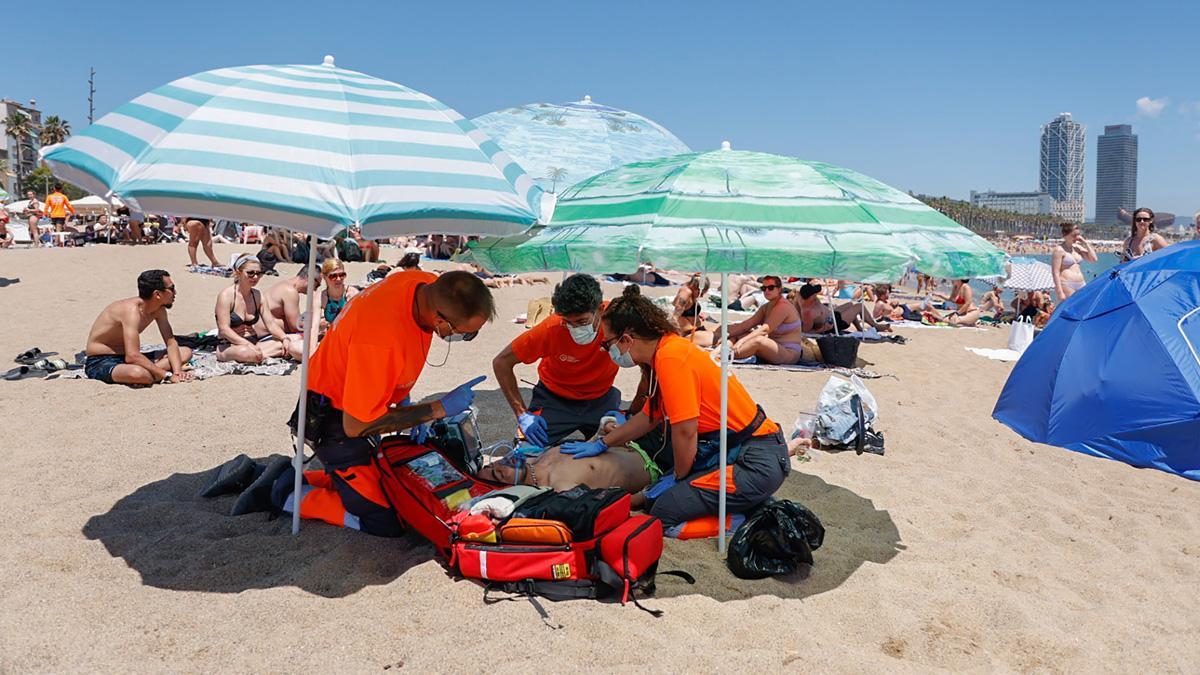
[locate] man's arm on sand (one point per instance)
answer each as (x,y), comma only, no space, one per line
(130,336)
(174,358)
(503,366)
(395,419)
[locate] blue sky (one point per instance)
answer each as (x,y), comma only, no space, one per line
(940,98)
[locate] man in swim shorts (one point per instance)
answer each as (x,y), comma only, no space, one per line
(114,354)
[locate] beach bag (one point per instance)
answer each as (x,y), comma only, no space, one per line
(776,538)
(1020,335)
(839,350)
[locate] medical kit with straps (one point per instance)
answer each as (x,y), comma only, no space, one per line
(581,543)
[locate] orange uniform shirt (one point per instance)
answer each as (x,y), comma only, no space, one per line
(375,351)
(57,205)
(570,370)
(689,387)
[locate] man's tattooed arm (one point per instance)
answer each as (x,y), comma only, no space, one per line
(395,419)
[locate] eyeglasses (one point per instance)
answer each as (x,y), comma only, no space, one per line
(336,275)
(1143,219)
(168,289)
(467,337)
(607,344)
(770,287)
(253,274)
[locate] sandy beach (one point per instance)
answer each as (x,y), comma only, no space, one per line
(964,547)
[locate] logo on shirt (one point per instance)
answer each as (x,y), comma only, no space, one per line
(567,358)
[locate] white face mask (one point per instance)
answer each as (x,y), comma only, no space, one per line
(622,359)
(582,335)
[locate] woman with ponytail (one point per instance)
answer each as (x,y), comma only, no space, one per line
(680,425)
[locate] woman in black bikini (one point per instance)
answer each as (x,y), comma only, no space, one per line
(249,333)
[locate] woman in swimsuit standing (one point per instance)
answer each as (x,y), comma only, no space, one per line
(336,293)
(1142,237)
(773,333)
(249,333)
(1065,261)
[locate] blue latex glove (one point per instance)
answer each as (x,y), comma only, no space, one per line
(621,419)
(534,428)
(419,433)
(665,483)
(581,449)
(460,398)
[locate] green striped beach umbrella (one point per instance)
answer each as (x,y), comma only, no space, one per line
(727,211)
(309,148)
(750,212)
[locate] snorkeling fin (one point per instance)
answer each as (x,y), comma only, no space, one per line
(232,476)
(257,497)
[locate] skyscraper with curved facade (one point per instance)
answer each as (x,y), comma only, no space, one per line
(1116,172)
(1061,171)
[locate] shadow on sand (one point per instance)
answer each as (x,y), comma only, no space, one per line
(178,541)
(855,533)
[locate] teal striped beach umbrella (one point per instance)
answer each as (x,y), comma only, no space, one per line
(311,148)
(750,212)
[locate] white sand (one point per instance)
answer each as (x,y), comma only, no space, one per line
(964,547)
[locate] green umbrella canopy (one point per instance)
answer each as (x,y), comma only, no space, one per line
(736,211)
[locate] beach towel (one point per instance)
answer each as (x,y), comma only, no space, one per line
(218,271)
(814,368)
(1008,355)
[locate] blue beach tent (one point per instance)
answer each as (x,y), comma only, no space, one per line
(1116,372)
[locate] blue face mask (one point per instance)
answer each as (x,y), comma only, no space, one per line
(583,335)
(622,359)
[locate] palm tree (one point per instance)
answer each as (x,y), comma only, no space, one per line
(54,130)
(555,174)
(18,126)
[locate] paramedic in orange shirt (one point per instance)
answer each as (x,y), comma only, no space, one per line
(680,426)
(575,376)
(56,207)
(358,386)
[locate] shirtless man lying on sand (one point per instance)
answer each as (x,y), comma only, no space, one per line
(114,353)
(621,467)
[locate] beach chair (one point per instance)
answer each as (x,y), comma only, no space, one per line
(20,234)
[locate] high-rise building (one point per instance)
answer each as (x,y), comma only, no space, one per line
(19,155)
(1031,203)
(1061,171)
(1116,172)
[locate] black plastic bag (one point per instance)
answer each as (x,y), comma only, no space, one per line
(775,539)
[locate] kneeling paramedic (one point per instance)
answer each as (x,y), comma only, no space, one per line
(358,388)
(575,376)
(680,426)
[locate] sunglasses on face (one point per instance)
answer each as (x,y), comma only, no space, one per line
(1143,219)
(770,287)
(253,274)
(168,289)
(336,275)
(467,337)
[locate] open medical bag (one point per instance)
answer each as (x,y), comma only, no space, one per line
(594,548)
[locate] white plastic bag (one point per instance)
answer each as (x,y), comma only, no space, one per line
(1020,335)
(837,423)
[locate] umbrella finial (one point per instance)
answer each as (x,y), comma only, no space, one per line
(726,145)
(328,60)
(587,98)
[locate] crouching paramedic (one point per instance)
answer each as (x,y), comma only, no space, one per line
(359,381)
(680,425)
(575,376)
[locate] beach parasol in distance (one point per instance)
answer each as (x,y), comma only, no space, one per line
(314,148)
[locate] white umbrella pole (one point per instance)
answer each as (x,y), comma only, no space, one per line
(302,419)
(725,355)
